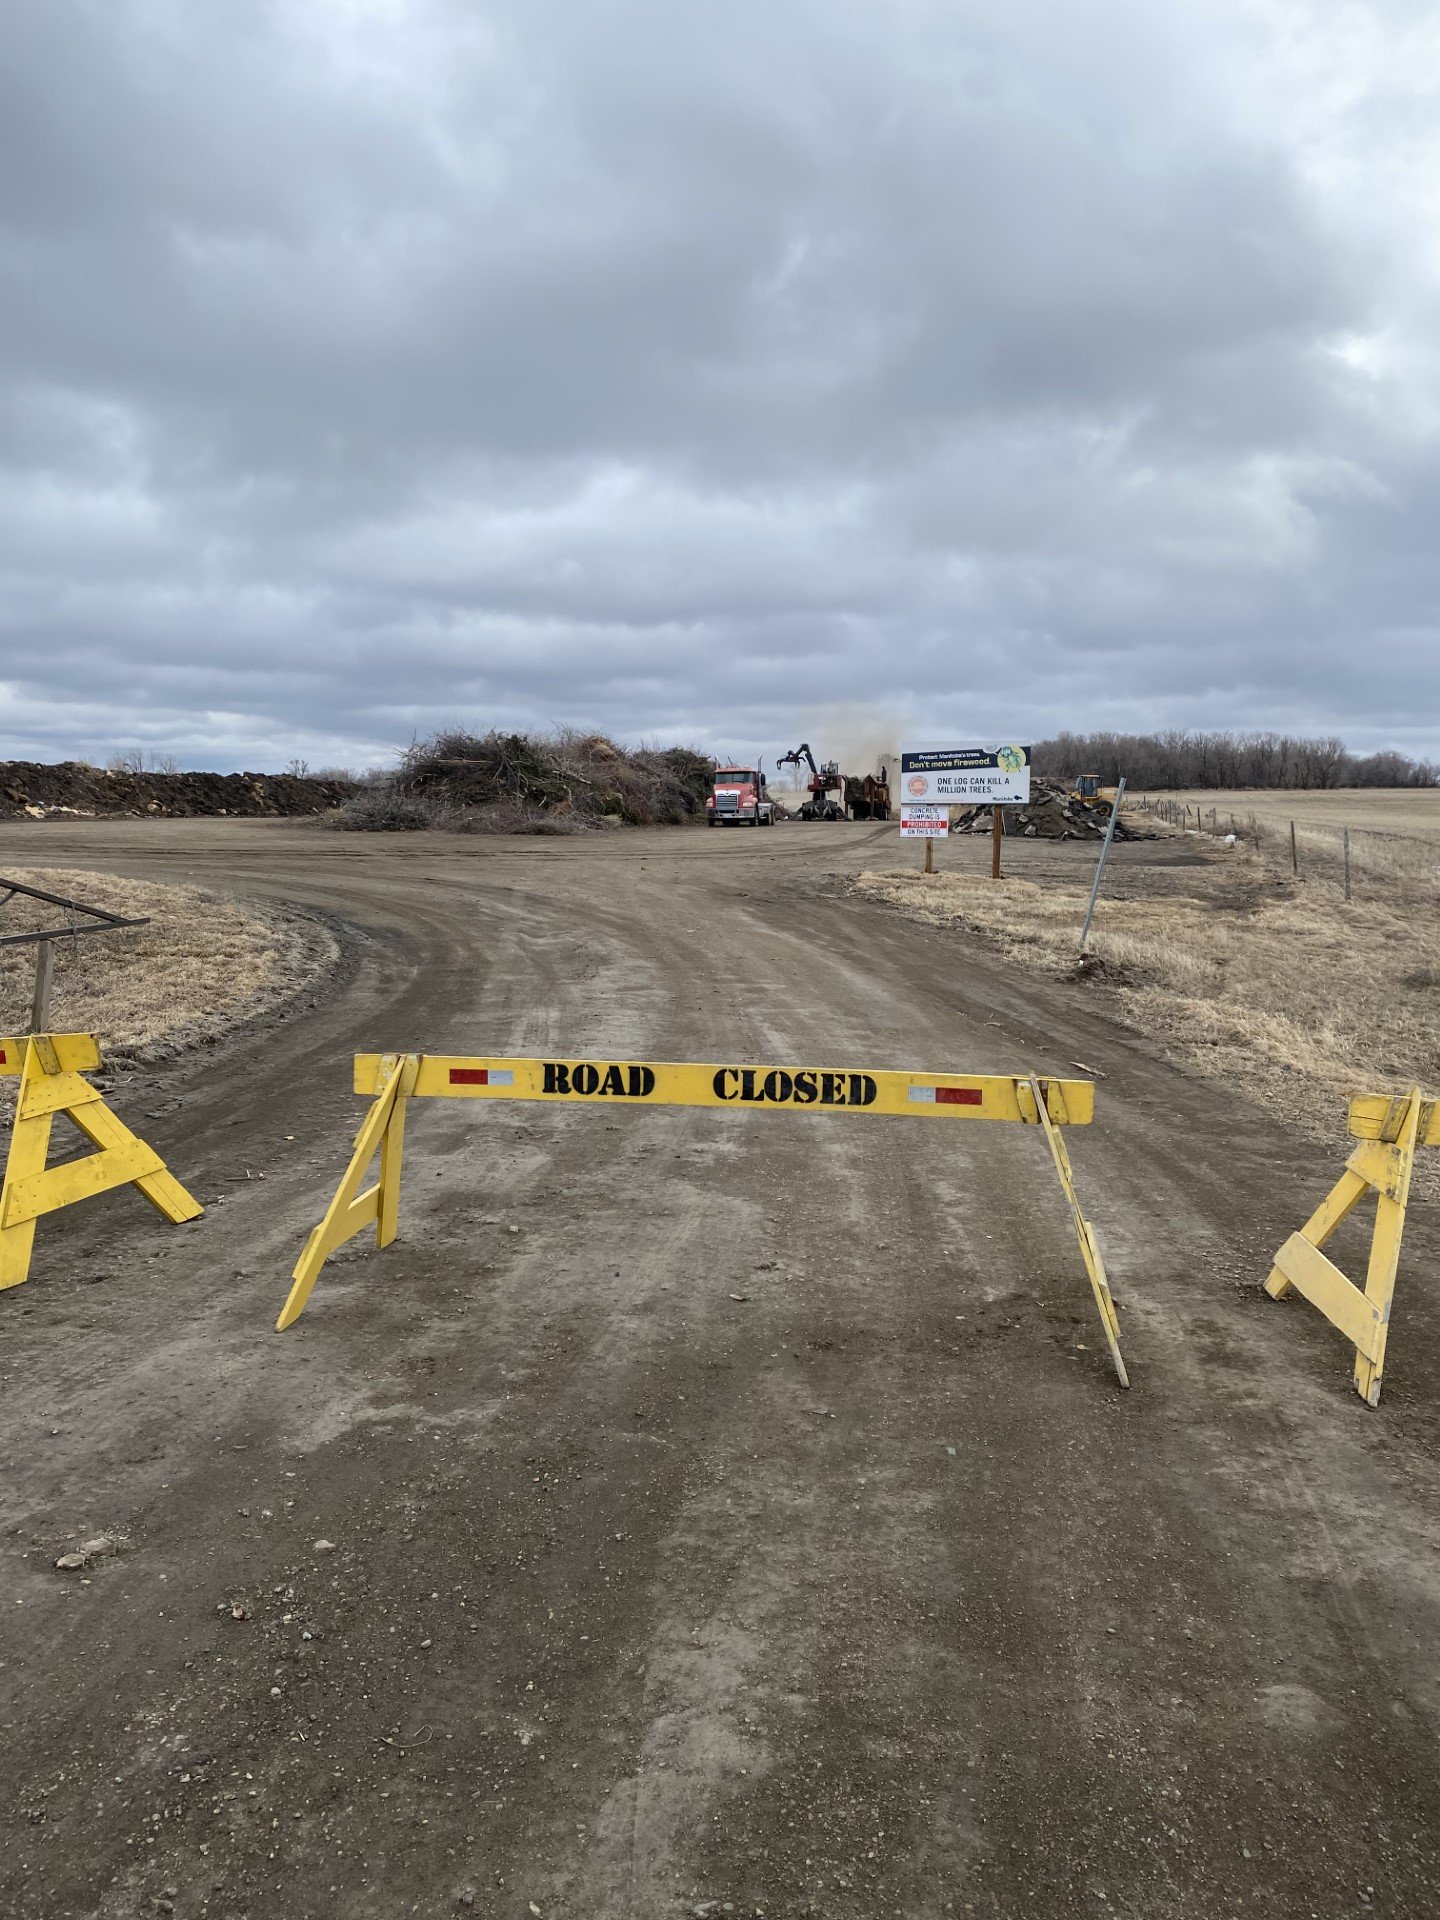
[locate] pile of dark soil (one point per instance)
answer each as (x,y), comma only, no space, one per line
(564,782)
(28,787)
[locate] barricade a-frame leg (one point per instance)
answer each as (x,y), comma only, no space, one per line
(32,1187)
(351,1211)
(29,1152)
(1084,1232)
(1384,1166)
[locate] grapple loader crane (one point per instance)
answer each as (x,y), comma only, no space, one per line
(826,785)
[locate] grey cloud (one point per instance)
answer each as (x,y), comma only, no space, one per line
(701,370)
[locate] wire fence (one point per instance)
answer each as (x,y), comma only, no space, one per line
(1349,857)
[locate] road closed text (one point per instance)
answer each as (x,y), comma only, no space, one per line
(596,1079)
(737,1088)
(803,1088)
(752,1086)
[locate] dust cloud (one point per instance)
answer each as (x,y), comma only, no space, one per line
(859,737)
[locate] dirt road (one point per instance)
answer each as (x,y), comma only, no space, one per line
(865,1594)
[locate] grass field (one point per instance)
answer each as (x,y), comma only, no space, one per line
(1394,831)
(1393,835)
(1242,968)
(1411,812)
(201,966)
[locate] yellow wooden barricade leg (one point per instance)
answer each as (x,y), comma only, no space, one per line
(29,1150)
(351,1211)
(1084,1232)
(31,1187)
(1363,1316)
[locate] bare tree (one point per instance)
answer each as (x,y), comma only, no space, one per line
(1180,759)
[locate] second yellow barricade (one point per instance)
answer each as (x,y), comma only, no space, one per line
(393,1079)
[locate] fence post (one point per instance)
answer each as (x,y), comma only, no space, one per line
(1294,851)
(1347,863)
(44,972)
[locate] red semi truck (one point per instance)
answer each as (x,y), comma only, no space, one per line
(738,799)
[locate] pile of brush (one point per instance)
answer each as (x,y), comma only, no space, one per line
(561,782)
(1053,813)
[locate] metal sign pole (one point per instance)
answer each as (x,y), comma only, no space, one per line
(1100,864)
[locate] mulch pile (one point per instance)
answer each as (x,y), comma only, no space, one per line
(28,787)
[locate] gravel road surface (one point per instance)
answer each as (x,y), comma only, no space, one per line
(535,1572)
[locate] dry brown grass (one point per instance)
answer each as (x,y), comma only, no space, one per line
(1394,831)
(1283,989)
(203,965)
(1412,812)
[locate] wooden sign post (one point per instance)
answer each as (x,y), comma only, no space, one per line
(997,834)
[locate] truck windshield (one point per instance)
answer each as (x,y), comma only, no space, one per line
(737,779)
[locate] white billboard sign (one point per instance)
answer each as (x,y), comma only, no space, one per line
(965,776)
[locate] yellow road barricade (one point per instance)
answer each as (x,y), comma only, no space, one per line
(1389,1131)
(49,1067)
(392,1079)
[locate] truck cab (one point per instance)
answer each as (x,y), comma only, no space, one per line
(738,799)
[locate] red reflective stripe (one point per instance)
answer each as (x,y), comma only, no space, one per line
(959,1096)
(469,1076)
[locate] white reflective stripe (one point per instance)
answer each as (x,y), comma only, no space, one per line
(500,1077)
(923,1093)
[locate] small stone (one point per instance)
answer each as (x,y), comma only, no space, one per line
(70,1562)
(426,1643)
(324,1546)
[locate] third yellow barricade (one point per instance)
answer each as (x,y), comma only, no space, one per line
(1389,1129)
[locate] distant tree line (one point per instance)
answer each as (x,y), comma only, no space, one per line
(1179,759)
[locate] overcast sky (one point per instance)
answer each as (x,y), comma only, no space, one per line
(716,373)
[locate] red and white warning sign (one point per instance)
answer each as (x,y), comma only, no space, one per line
(924,823)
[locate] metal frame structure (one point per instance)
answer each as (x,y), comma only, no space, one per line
(101,921)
